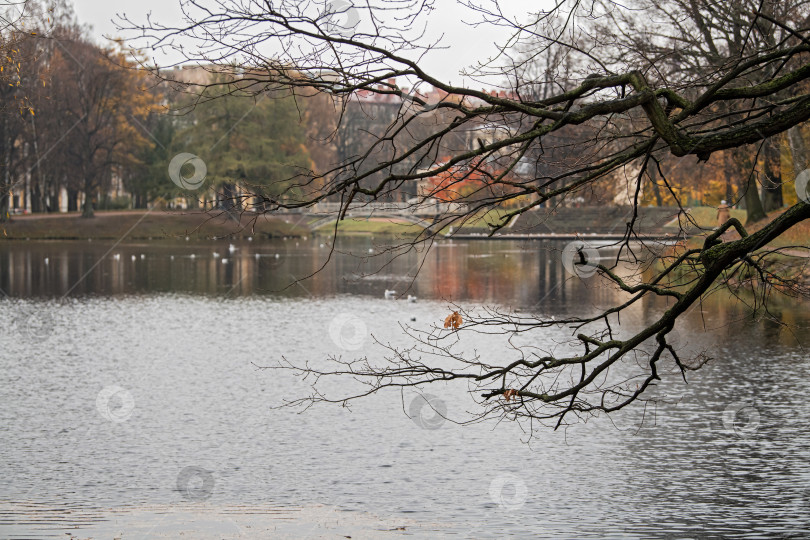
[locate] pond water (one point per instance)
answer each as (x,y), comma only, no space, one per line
(133,407)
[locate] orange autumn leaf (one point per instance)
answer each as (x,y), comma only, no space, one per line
(453,320)
(510,394)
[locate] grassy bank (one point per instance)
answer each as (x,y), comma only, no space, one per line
(480,223)
(798,235)
(789,264)
(705,217)
(373,226)
(139,224)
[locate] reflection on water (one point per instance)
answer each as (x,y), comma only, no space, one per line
(133,405)
(518,273)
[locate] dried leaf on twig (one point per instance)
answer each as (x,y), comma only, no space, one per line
(453,320)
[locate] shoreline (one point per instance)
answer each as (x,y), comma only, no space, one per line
(146,225)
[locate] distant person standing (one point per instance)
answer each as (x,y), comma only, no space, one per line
(723,213)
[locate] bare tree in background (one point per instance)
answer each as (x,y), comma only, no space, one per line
(18,75)
(629,85)
(99,104)
(689,46)
(67,109)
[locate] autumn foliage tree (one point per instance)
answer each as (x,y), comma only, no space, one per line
(687,46)
(74,123)
(20,74)
(102,102)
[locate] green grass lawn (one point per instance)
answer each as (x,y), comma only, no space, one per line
(479,223)
(798,235)
(373,226)
(706,218)
(389,226)
(139,224)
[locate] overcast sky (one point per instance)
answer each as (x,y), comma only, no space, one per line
(467,46)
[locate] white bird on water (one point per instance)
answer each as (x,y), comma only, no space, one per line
(133,257)
(46,260)
(389,294)
(231,248)
(411,299)
(224,261)
(193,256)
(117,256)
(216,255)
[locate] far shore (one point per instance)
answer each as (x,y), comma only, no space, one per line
(147,225)
(195,224)
(219,224)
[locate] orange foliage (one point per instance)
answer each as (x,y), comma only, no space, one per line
(462,182)
(454,320)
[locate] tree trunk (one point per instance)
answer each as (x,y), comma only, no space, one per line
(652,170)
(753,204)
(729,188)
(741,164)
(52,202)
(4,206)
(87,207)
(37,199)
(193,202)
(5,187)
(38,189)
(772,181)
(798,149)
(228,193)
(728,171)
(73,200)
(4,203)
